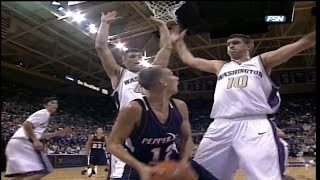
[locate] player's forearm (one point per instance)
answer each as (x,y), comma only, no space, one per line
(119,151)
(102,35)
(186,148)
(50,135)
(184,54)
(164,35)
(163,56)
(29,131)
(309,40)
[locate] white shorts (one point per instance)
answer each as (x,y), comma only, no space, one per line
(249,143)
(117,167)
(24,160)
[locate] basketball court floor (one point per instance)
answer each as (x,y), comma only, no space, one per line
(298,169)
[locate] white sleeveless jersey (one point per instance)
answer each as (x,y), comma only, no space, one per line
(39,120)
(244,90)
(127,89)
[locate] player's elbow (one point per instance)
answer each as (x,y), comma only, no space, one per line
(111,146)
(99,46)
(27,125)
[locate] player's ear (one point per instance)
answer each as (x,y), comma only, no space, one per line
(163,82)
(250,46)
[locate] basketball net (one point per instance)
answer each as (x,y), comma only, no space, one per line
(164,10)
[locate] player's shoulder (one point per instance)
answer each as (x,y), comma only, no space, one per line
(42,112)
(91,136)
(179,103)
(133,106)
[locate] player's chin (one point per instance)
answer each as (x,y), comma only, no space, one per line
(175,91)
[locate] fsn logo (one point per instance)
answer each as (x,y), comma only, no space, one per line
(275,18)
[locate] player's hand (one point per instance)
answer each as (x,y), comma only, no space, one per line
(176,36)
(146,172)
(38,145)
(157,21)
(109,17)
(65,131)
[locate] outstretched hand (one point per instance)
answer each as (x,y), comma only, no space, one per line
(157,21)
(65,131)
(176,36)
(109,17)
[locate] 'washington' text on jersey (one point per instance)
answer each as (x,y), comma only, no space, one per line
(131,80)
(238,71)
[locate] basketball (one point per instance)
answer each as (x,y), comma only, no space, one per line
(172,170)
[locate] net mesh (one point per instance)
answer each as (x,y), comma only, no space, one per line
(164,10)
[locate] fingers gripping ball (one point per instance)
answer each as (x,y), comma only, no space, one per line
(171,170)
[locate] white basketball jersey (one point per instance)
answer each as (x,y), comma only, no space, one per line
(127,89)
(244,90)
(39,120)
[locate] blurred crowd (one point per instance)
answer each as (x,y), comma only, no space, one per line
(296,116)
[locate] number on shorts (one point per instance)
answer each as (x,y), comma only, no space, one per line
(139,89)
(238,82)
(157,151)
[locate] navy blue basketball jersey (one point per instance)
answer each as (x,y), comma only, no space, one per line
(153,141)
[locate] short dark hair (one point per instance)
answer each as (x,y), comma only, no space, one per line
(48,99)
(149,76)
(245,38)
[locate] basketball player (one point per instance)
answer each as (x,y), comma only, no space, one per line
(124,78)
(25,156)
(241,134)
(96,148)
(151,124)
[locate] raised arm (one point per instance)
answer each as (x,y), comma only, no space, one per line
(185,131)
(274,58)
(163,56)
(108,62)
(211,66)
(125,124)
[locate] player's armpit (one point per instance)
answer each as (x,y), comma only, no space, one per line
(274,58)
(185,131)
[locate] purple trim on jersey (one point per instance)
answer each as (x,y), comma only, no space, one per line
(281,149)
(27,173)
(273,99)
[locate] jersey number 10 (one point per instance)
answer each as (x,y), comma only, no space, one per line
(238,82)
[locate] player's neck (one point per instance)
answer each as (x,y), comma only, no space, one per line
(242,59)
(49,110)
(158,100)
